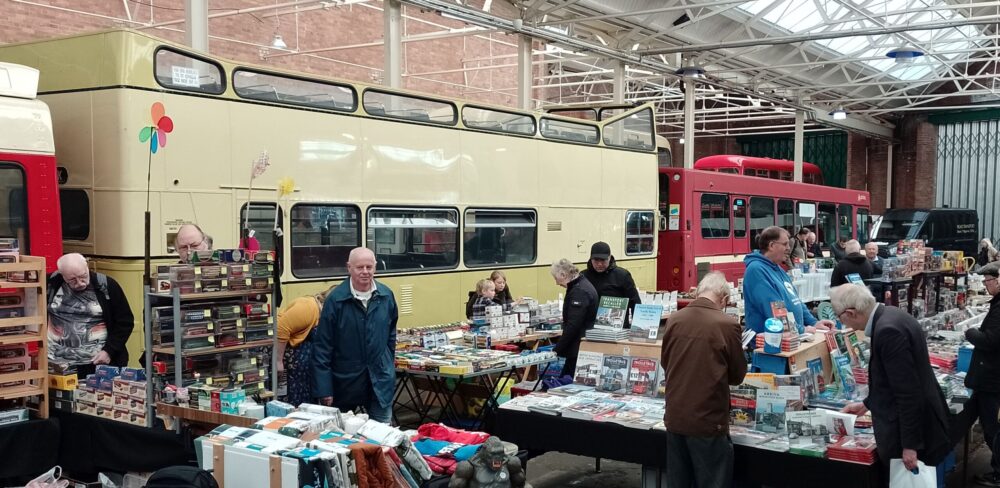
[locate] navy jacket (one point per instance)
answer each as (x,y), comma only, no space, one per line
(579,313)
(907,406)
(354,350)
(984,371)
(614,282)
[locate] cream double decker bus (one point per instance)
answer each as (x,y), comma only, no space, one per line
(443,191)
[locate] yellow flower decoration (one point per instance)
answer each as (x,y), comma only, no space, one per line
(286,186)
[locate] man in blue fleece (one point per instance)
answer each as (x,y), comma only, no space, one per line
(765,281)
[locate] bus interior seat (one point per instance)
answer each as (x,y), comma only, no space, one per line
(373,109)
(418,114)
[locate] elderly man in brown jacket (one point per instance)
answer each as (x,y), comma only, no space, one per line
(702,355)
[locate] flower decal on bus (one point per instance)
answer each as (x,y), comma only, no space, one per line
(156,134)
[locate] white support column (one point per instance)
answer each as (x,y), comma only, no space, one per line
(800,122)
(689,123)
(619,82)
(393,43)
(196,16)
(525,75)
(888,177)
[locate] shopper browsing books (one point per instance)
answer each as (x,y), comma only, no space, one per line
(295,324)
(853,263)
(503,295)
(701,356)
(765,282)
(984,372)
(579,311)
(909,412)
(609,279)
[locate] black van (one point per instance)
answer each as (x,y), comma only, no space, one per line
(944,229)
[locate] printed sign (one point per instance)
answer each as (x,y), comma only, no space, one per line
(184,76)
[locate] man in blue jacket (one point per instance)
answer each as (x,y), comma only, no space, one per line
(355,342)
(765,281)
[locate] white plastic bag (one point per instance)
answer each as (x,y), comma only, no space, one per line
(900,477)
(49,479)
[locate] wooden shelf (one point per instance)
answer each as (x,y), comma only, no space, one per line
(202,416)
(18,321)
(214,350)
(21,338)
(213,294)
(23,376)
(15,284)
(23,391)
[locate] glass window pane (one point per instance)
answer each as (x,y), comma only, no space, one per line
(786,216)
(296,91)
(14,218)
(864,228)
(564,130)
(714,216)
(407,107)
(261,222)
(639,227)
(845,222)
(499,121)
(761,217)
(826,224)
(634,131)
(75,206)
(576,113)
(499,237)
(805,216)
(407,239)
(322,237)
(182,71)
(739,218)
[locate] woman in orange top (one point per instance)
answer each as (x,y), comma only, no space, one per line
(295,324)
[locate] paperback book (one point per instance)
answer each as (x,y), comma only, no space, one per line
(645,322)
(588,368)
(614,374)
(642,376)
(743,407)
(770,412)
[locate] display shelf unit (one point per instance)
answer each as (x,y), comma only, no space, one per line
(176,300)
(35,379)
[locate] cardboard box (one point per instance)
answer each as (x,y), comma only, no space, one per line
(13,416)
(121,415)
(133,374)
(137,390)
(86,395)
(137,419)
(66,382)
(137,406)
(62,405)
(86,408)
(105,399)
(106,384)
(65,395)
(120,386)
(93,381)
(105,371)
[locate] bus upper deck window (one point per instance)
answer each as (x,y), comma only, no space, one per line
(182,71)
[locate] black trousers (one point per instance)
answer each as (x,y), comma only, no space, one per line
(702,462)
(987,405)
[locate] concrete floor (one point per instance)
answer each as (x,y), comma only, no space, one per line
(558,470)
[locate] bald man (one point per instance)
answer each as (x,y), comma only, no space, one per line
(89,317)
(189,238)
(355,342)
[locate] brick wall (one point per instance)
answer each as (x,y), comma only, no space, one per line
(914,169)
(242,37)
(704,146)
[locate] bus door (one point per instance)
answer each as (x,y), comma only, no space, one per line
(741,220)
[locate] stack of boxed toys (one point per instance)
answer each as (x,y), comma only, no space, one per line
(10,253)
(212,382)
(769,412)
(219,270)
(430,336)
(214,325)
(498,323)
(320,438)
(790,336)
(110,392)
(452,359)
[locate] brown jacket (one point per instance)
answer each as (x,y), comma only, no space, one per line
(701,356)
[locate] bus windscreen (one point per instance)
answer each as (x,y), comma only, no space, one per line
(896,227)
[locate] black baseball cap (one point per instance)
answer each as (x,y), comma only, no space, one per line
(600,250)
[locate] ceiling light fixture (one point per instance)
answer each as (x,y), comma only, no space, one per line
(681,140)
(839,114)
(904,54)
(690,72)
(278,42)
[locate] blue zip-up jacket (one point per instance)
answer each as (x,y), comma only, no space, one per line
(354,350)
(765,282)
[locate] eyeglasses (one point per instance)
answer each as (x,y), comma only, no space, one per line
(781,243)
(989,280)
(842,313)
(191,247)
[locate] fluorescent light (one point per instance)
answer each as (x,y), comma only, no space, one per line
(905,54)
(690,72)
(681,140)
(278,42)
(839,114)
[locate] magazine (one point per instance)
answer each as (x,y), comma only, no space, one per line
(588,368)
(614,374)
(611,313)
(770,411)
(642,376)
(645,322)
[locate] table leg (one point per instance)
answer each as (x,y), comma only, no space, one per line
(965,457)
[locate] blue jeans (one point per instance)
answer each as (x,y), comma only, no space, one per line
(377,412)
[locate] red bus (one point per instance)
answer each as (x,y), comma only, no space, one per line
(775,169)
(29,192)
(711,219)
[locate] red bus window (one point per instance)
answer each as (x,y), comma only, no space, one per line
(845,221)
(15,223)
(786,216)
(761,216)
(714,216)
(864,228)
(827,223)
(740,218)
(732,171)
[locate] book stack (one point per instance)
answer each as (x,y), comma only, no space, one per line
(607,335)
(853,449)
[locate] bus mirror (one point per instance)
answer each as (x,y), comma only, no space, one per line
(663,222)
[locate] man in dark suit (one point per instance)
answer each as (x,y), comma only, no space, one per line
(909,412)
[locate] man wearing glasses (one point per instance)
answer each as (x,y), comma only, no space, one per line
(909,412)
(190,238)
(984,372)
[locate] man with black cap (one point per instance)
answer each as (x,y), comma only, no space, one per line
(983,377)
(610,280)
